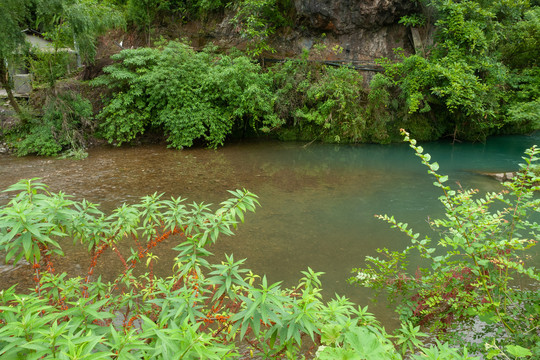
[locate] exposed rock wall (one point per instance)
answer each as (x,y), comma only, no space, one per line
(365,29)
(347,16)
(359,29)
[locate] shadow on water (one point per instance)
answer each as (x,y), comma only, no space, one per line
(318,201)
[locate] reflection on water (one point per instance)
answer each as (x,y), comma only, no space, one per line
(318,201)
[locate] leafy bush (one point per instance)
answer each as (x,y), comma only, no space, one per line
(64,124)
(189,95)
(523,109)
(144,14)
(201,310)
(291,80)
(522,39)
(470,102)
(381,110)
(468,277)
(257,21)
(49,67)
(331,104)
(319,101)
(334,104)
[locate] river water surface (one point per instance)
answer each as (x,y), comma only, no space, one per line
(317,201)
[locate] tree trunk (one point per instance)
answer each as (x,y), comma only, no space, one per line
(4,79)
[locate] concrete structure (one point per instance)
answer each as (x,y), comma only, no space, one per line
(20,72)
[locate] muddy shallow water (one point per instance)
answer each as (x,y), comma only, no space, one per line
(317,201)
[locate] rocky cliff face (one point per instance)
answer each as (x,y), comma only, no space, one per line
(365,29)
(347,16)
(358,29)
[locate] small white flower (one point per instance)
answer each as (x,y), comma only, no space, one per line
(320,350)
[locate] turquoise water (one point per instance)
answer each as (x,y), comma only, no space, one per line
(317,202)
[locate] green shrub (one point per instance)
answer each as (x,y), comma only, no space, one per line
(523,108)
(257,21)
(467,279)
(319,101)
(200,310)
(291,79)
(187,94)
(49,67)
(331,104)
(334,104)
(480,74)
(64,124)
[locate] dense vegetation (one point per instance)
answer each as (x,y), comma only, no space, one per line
(59,118)
(220,311)
(189,95)
(205,95)
(480,75)
(476,75)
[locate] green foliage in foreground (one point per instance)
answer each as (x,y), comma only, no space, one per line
(189,95)
(199,311)
(469,280)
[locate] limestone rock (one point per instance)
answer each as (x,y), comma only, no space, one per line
(347,16)
(500,176)
(363,29)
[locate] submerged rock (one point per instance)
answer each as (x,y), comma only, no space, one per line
(500,176)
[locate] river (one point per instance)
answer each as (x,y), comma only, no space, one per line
(317,201)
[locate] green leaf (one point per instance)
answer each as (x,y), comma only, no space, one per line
(518,351)
(492,353)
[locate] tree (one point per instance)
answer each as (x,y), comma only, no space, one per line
(74,24)
(13,14)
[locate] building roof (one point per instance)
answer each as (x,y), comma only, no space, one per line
(35,39)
